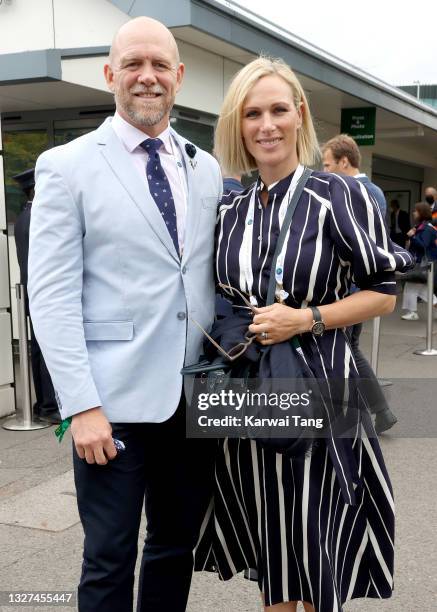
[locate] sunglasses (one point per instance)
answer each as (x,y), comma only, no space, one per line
(236,351)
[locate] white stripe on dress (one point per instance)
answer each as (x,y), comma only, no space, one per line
(379,555)
(282,527)
(357,562)
(305,503)
(378,471)
(317,254)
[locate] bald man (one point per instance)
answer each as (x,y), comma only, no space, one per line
(121,253)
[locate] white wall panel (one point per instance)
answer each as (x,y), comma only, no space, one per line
(229,70)
(4,280)
(202,88)
(85,71)
(26,25)
(430,177)
(2,196)
(6,368)
(85,23)
(366,160)
(404,153)
(7,397)
(7,401)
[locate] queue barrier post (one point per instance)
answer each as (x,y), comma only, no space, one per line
(429,351)
(374,357)
(25,420)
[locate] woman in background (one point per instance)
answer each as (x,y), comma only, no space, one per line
(422,237)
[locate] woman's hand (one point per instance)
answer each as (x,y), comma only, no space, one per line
(411,232)
(280,323)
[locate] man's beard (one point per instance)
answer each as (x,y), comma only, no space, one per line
(149,114)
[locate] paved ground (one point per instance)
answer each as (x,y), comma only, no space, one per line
(41,538)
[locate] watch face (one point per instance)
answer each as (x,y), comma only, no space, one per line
(318,328)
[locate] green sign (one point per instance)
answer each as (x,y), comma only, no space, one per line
(360,124)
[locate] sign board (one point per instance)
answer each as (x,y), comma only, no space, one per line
(360,124)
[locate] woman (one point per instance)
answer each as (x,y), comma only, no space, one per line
(291,524)
(423,241)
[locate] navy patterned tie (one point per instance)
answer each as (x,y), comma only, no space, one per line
(160,187)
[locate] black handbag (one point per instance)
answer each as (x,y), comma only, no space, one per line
(418,274)
(220,374)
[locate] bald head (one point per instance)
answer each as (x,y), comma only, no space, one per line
(431,195)
(142,28)
(144,73)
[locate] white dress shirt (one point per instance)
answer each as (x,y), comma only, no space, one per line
(171,160)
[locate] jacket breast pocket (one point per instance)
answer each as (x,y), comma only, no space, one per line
(108,330)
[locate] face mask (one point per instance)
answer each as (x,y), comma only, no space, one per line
(430,199)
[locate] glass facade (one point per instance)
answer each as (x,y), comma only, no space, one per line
(21,150)
(200,134)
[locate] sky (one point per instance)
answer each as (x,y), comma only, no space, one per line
(391,40)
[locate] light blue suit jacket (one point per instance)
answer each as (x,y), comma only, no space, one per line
(109,297)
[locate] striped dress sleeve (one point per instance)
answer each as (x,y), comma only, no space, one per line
(361,237)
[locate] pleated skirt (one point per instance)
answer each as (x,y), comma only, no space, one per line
(284,522)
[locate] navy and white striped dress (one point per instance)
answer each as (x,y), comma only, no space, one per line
(288,522)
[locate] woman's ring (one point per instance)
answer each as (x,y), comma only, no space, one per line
(264,335)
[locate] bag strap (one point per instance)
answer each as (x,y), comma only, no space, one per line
(284,229)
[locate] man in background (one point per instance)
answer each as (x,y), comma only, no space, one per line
(232,183)
(45,406)
(341,155)
(431,198)
(399,224)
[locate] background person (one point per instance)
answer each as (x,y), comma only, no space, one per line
(399,223)
(422,243)
(45,406)
(232,183)
(121,252)
(431,199)
(341,155)
(273,515)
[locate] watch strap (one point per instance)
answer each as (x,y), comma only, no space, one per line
(316,314)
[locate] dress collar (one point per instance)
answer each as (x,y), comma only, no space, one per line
(279,187)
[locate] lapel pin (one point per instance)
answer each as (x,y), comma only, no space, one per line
(191,152)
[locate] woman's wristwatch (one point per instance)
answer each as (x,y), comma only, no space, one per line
(318,326)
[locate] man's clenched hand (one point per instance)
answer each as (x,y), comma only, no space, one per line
(92,437)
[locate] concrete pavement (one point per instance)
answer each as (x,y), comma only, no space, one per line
(41,537)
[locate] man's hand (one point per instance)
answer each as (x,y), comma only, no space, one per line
(92,437)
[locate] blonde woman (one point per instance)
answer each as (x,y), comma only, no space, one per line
(317,528)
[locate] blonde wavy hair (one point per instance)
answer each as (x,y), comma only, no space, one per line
(229,146)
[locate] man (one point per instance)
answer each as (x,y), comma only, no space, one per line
(341,155)
(45,406)
(121,256)
(431,198)
(232,183)
(399,224)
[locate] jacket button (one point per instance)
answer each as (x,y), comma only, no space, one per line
(184,270)
(181,316)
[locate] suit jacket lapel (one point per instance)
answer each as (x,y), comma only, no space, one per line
(193,196)
(121,165)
